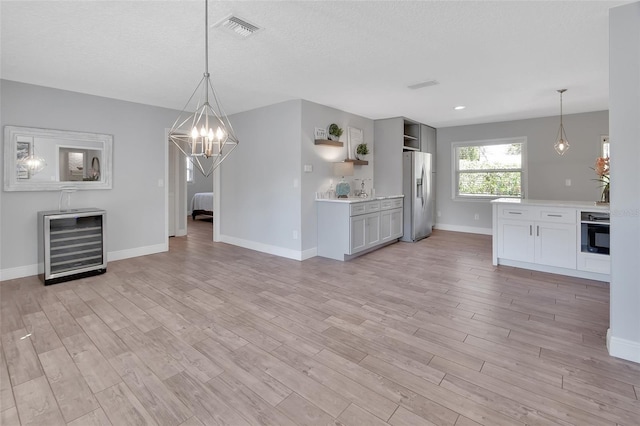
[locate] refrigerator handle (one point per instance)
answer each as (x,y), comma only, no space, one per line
(422,185)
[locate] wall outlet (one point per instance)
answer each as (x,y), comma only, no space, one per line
(439,213)
(295,234)
(295,183)
(476,216)
(567,182)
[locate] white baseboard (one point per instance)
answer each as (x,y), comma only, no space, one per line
(623,348)
(18,272)
(138,251)
(268,248)
(467,229)
(29,270)
(308,254)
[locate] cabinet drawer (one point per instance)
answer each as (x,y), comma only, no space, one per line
(357,208)
(397,202)
(372,206)
(514,212)
(556,215)
(386,204)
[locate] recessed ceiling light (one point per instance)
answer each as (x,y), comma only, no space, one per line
(459,107)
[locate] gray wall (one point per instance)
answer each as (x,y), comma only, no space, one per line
(260,206)
(322,157)
(547,171)
(136,204)
(268,201)
(624,88)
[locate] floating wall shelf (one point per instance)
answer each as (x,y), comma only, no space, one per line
(328,142)
(357,162)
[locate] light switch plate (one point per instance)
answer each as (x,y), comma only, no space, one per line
(308,168)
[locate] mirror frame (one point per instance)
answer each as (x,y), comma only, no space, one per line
(11,181)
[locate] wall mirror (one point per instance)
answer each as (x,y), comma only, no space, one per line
(64,159)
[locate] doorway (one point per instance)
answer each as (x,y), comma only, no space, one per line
(180,195)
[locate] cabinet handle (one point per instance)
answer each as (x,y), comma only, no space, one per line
(537,231)
(515,212)
(554,215)
(530,230)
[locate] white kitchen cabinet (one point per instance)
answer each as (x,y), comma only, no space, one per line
(544,236)
(347,228)
(390,224)
(515,240)
(555,244)
(365,232)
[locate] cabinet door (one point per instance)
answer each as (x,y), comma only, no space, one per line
(555,244)
(396,223)
(515,240)
(357,228)
(428,140)
(372,231)
(385,225)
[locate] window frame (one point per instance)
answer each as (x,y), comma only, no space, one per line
(455,173)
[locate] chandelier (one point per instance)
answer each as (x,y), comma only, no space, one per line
(562,144)
(202,131)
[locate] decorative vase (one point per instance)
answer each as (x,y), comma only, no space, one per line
(605,195)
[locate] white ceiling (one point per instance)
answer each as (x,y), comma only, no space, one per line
(504,60)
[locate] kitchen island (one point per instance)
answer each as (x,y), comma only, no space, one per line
(350,227)
(552,236)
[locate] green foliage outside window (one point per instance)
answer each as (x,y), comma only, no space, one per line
(490,170)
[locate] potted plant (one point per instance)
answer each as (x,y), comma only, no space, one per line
(361,150)
(335,132)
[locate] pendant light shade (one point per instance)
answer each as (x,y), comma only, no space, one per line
(562,144)
(202,130)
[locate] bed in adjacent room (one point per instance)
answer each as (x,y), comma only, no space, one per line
(202,204)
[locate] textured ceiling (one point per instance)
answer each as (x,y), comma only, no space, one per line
(504,60)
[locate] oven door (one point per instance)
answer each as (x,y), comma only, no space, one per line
(598,238)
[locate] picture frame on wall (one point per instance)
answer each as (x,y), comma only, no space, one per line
(23,151)
(320,133)
(355,137)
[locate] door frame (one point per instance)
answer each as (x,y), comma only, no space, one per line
(176,180)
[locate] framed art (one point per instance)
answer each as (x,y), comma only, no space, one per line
(320,133)
(355,137)
(23,151)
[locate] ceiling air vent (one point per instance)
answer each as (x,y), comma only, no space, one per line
(423,84)
(239,26)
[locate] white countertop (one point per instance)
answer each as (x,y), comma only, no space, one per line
(357,199)
(554,203)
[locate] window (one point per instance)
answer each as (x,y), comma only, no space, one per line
(489,169)
(189,170)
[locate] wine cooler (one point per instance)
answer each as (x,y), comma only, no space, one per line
(71,244)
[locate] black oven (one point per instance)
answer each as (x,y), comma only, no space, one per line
(595,232)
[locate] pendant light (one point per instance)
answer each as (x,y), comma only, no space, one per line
(562,144)
(202,130)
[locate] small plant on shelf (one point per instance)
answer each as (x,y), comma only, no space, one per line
(335,132)
(361,150)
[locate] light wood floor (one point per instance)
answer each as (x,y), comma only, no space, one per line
(413,334)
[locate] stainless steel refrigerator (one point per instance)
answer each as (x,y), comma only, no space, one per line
(417,181)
